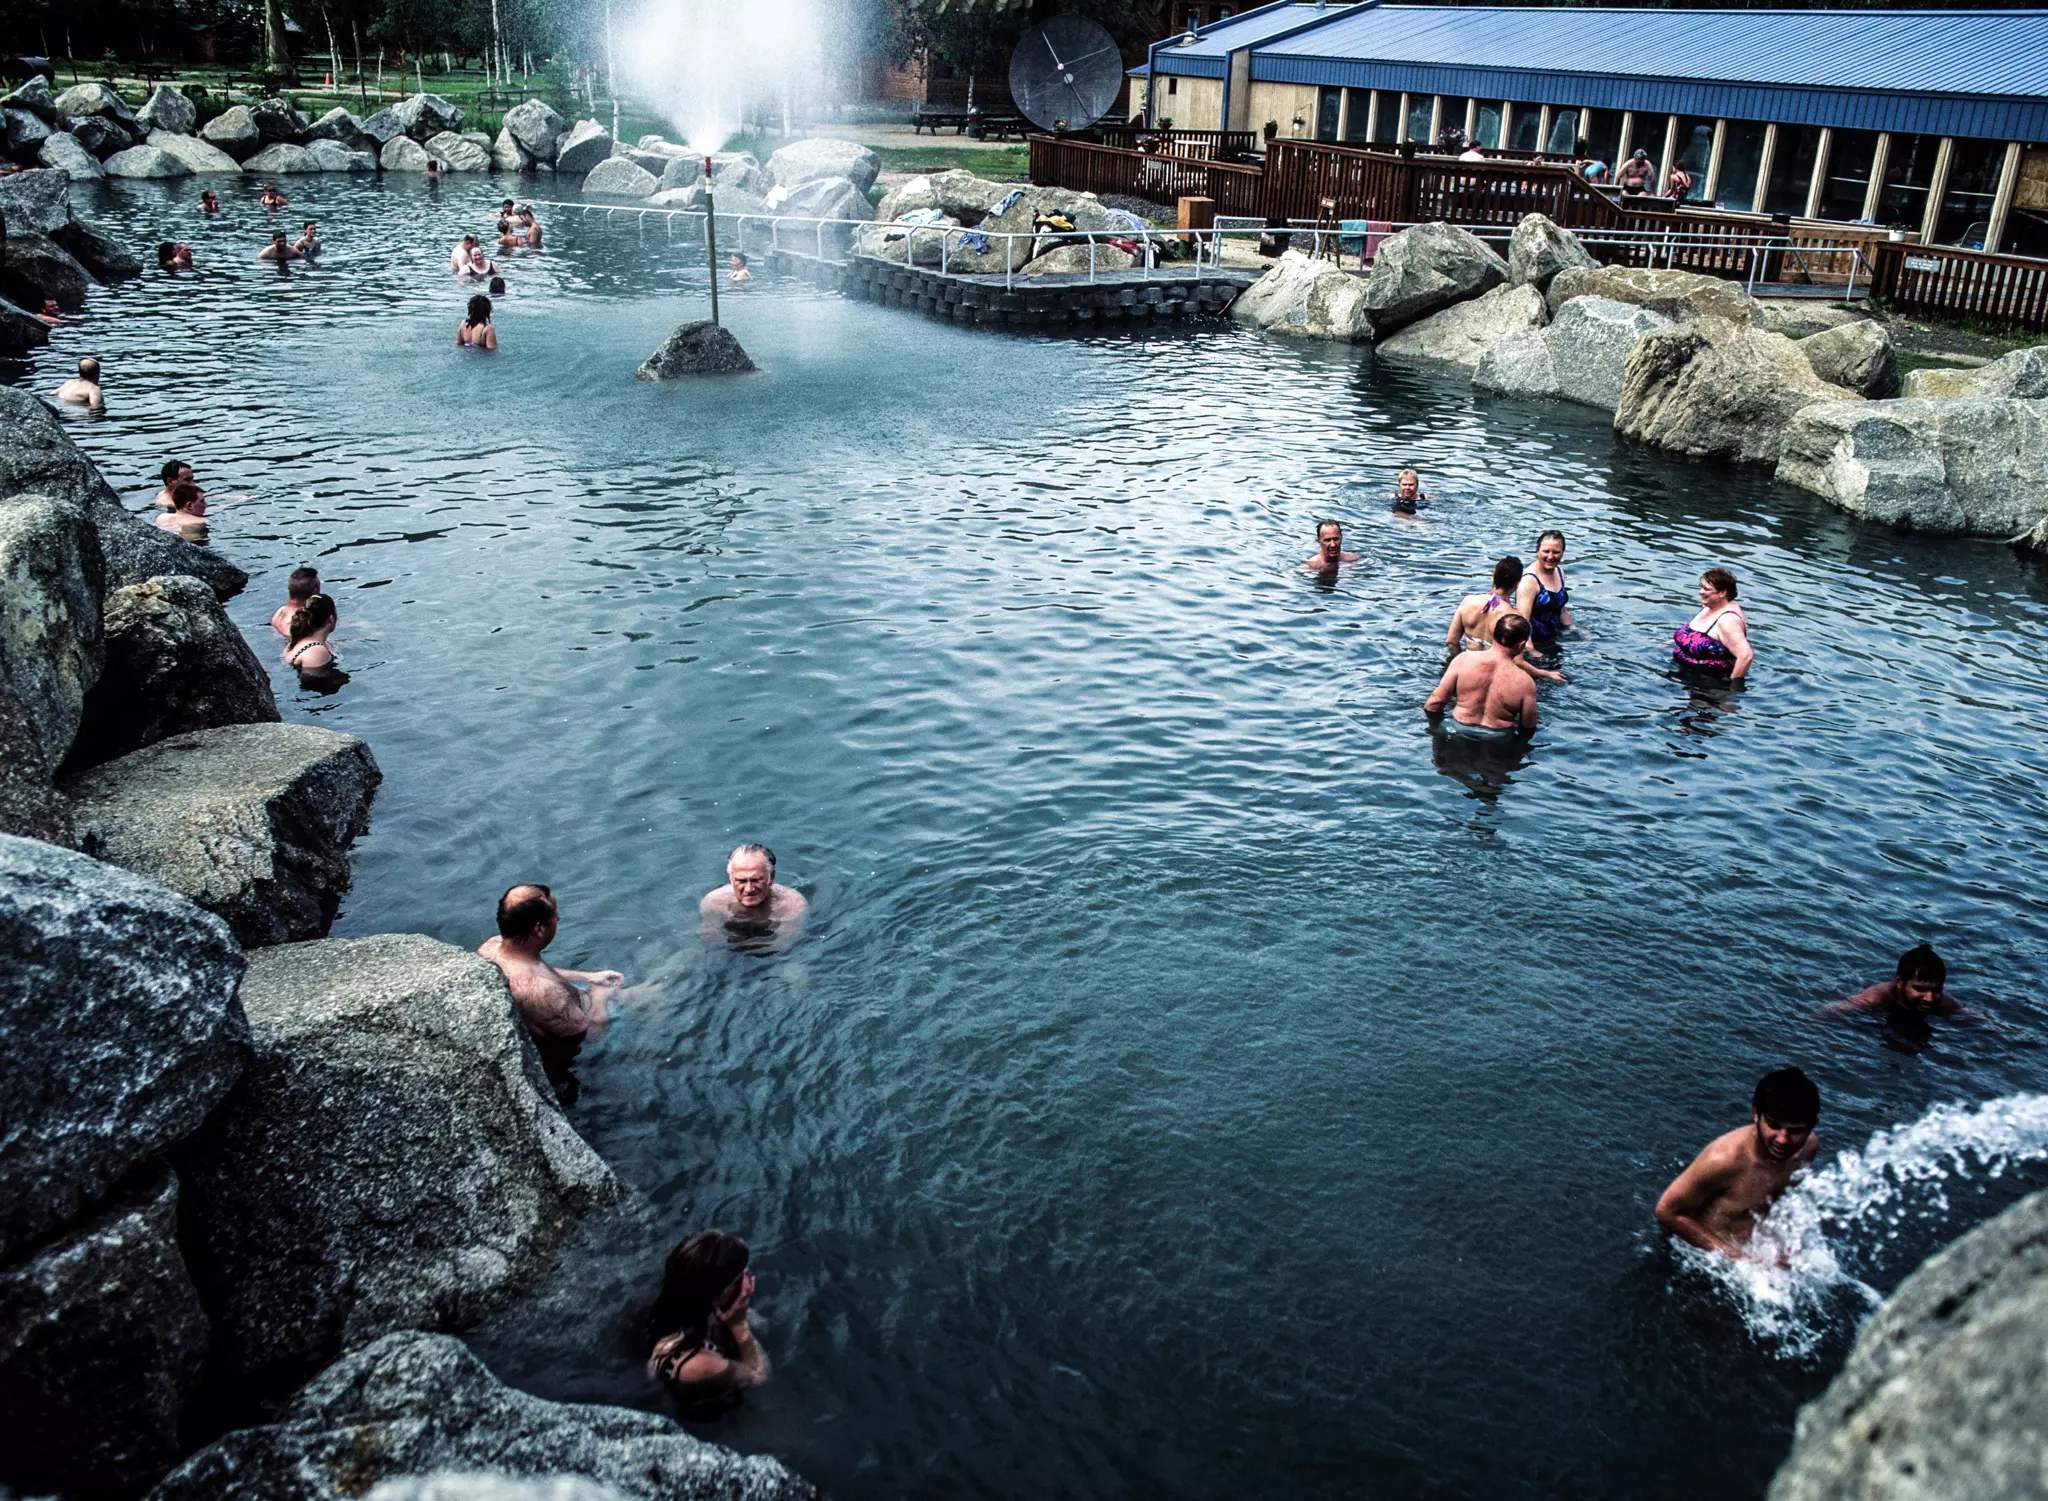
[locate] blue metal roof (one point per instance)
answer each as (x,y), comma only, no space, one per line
(1213,44)
(1970,73)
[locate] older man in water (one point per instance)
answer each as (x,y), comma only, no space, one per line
(1716,1202)
(1487,691)
(551,1002)
(750,896)
(1330,551)
(83,389)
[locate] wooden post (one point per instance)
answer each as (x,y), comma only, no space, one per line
(1821,151)
(1664,162)
(1711,190)
(1937,184)
(1343,111)
(1879,160)
(1623,145)
(2001,201)
(1401,125)
(1436,118)
(1543,128)
(1763,167)
(1372,115)
(1471,119)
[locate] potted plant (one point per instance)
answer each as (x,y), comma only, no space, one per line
(1272,129)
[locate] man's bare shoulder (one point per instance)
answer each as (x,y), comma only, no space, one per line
(489,948)
(716,902)
(1727,1153)
(790,903)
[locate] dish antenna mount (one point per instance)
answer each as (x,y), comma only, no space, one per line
(1066,74)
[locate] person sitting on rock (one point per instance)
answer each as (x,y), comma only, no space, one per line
(173,471)
(278,249)
(300,587)
(209,202)
(83,389)
(552,1003)
(187,515)
(704,1351)
(738,273)
(307,652)
(308,242)
(475,331)
(272,198)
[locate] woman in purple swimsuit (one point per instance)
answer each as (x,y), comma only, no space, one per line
(1716,640)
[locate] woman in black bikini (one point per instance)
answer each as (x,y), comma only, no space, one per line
(309,654)
(703,1350)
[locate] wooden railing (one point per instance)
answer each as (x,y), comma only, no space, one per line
(1196,143)
(1951,282)
(1089,168)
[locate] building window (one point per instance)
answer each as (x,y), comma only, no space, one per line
(1486,129)
(1908,173)
(1386,129)
(1563,139)
(1791,169)
(1603,139)
(1527,127)
(1965,214)
(1358,116)
(1420,108)
(1847,182)
(2026,223)
(1742,153)
(1173,85)
(1453,118)
(1692,148)
(1328,103)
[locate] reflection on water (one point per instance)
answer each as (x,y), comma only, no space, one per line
(1180,1087)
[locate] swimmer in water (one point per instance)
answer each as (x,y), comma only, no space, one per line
(738,271)
(1330,553)
(209,202)
(300,587)
(531,226)
(187,515)
(277,249)
(308,653)
(1715,1203)
(1919,991)
(1472,623)
(173,471)
(704,1349)
(308,242)
(475,331)
(458,258)
(552,1003)
(1489,690)
(750,896)
(272,198)
(1543,597)
(1408,493)
(83,390)
(1715,641)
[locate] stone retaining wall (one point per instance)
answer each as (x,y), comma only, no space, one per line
(1118,298)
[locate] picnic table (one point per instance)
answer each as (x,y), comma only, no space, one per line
(981,124)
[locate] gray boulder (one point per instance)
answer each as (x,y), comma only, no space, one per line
(1857,355)
(404,154)
(280,159)
(485,1485)
(95,99)
(52,646)
(145,161)
(99,135)
(101,1343)
(19,332)
(23,132)
(332,156)
(2022,374)
(1803,317)
(34,96)
(105,259)
(393,1158)
(1945,1393)
(958,194)
(1674,294)
(1971,465)
(699,348)
(826,198)
(62,152)
(382,126)
(197,155)
(424,116)
(234,131)
(1580,357)
(1539,249)
(662,144)
(36,202)
(458,153)
(415,1403)
(1520,366)
(507,155)
(739,169)
(251,821)
(342,128)
(276,120)
(2034,544)
(536,127)
(1073,260)
(620,177)
(34,266)
(685,198)
(1466,332)
(916,239)
(586,144)
(1425,268)
(174,662)
(806,161)
(145,1044)
(1707,388)
(38,457)
(653,163)
(1307,298)
(167,109)
(1083,210)
(681,172)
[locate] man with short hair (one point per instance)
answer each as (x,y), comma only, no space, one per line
(300,587)
(458,258)
(278,249)
(1638,173)
(173,471)
(1918,991)
(553,1008)
(1487,691)
(750,896)
(84,389)
(531,225)
(187,515)
(1716,1202)
(1329,548)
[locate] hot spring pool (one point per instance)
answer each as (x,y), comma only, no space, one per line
(1194,1081)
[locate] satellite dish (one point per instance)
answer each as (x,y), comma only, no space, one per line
(1066,74)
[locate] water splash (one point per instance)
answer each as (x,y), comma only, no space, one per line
(1800,1279)
(705,66)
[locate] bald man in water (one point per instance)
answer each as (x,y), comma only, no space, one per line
(550,1001)
(1716,1202)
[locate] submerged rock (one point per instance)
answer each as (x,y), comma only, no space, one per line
(1309,298)
(2022,374)
(1708,388)
(1972,465)
(805,161)
(700,348)
(1425,268)
(1465,332)
(101,1343)
(392,1159)
(147,1040)
(413,1403)
(251,821)
(1945,1394)
(1538,250)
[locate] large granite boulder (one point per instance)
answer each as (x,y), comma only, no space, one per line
(62,152)
(197,155)
(1308,298)
(95,99)
(1466,332)
(393,1158)
(34,266)
(147,1039)
(104,258)
(19,332)
(653,163)
(234,131)
(698,348)
(99,135)
(1076,260)
(915,239)
(824,198)
(485,1485)
(403,154)
(101,1343)
(958,194)
(681,172)
(382,126)
(174,662)
(1539,249)
(1803,317)
(536,127)
(1006,239)
(414,1403)
(458,153)
(52,647)
(280,159)
(585,145)
(424,116)
(1707,388)
(1973,465)
(1674,294)
(332,156)
(1580,357)
(34,96)
(507,155)
(341,127)
(741,170)
(2022,374)
(805,161)
(275,120)
(23,132)
(620,177)
(145,161)
(2034,544)
(1425,268)
(1857,355)
(1945,1393)
(38,457)
(167,109)
(251,821)
(35,202)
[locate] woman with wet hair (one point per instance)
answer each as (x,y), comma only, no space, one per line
(704,1352)
(475,331)
(1715,642)
(1543,597)
(308,653)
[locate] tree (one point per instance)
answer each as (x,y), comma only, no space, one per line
(277,51)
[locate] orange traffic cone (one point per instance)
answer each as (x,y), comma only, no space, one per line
(327,82)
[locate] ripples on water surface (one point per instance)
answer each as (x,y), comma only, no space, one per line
(1192,1081)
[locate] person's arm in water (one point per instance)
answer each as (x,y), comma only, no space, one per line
(1454,638)
(490,339)
(1870,998)
(1681,1207)
(1526,713)
(1735,636)
(1445,691)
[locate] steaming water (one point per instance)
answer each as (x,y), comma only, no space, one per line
(1195,1080)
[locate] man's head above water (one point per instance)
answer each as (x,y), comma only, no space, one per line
(1787,1108)
(751,870)
(527,916)
(1922,976)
